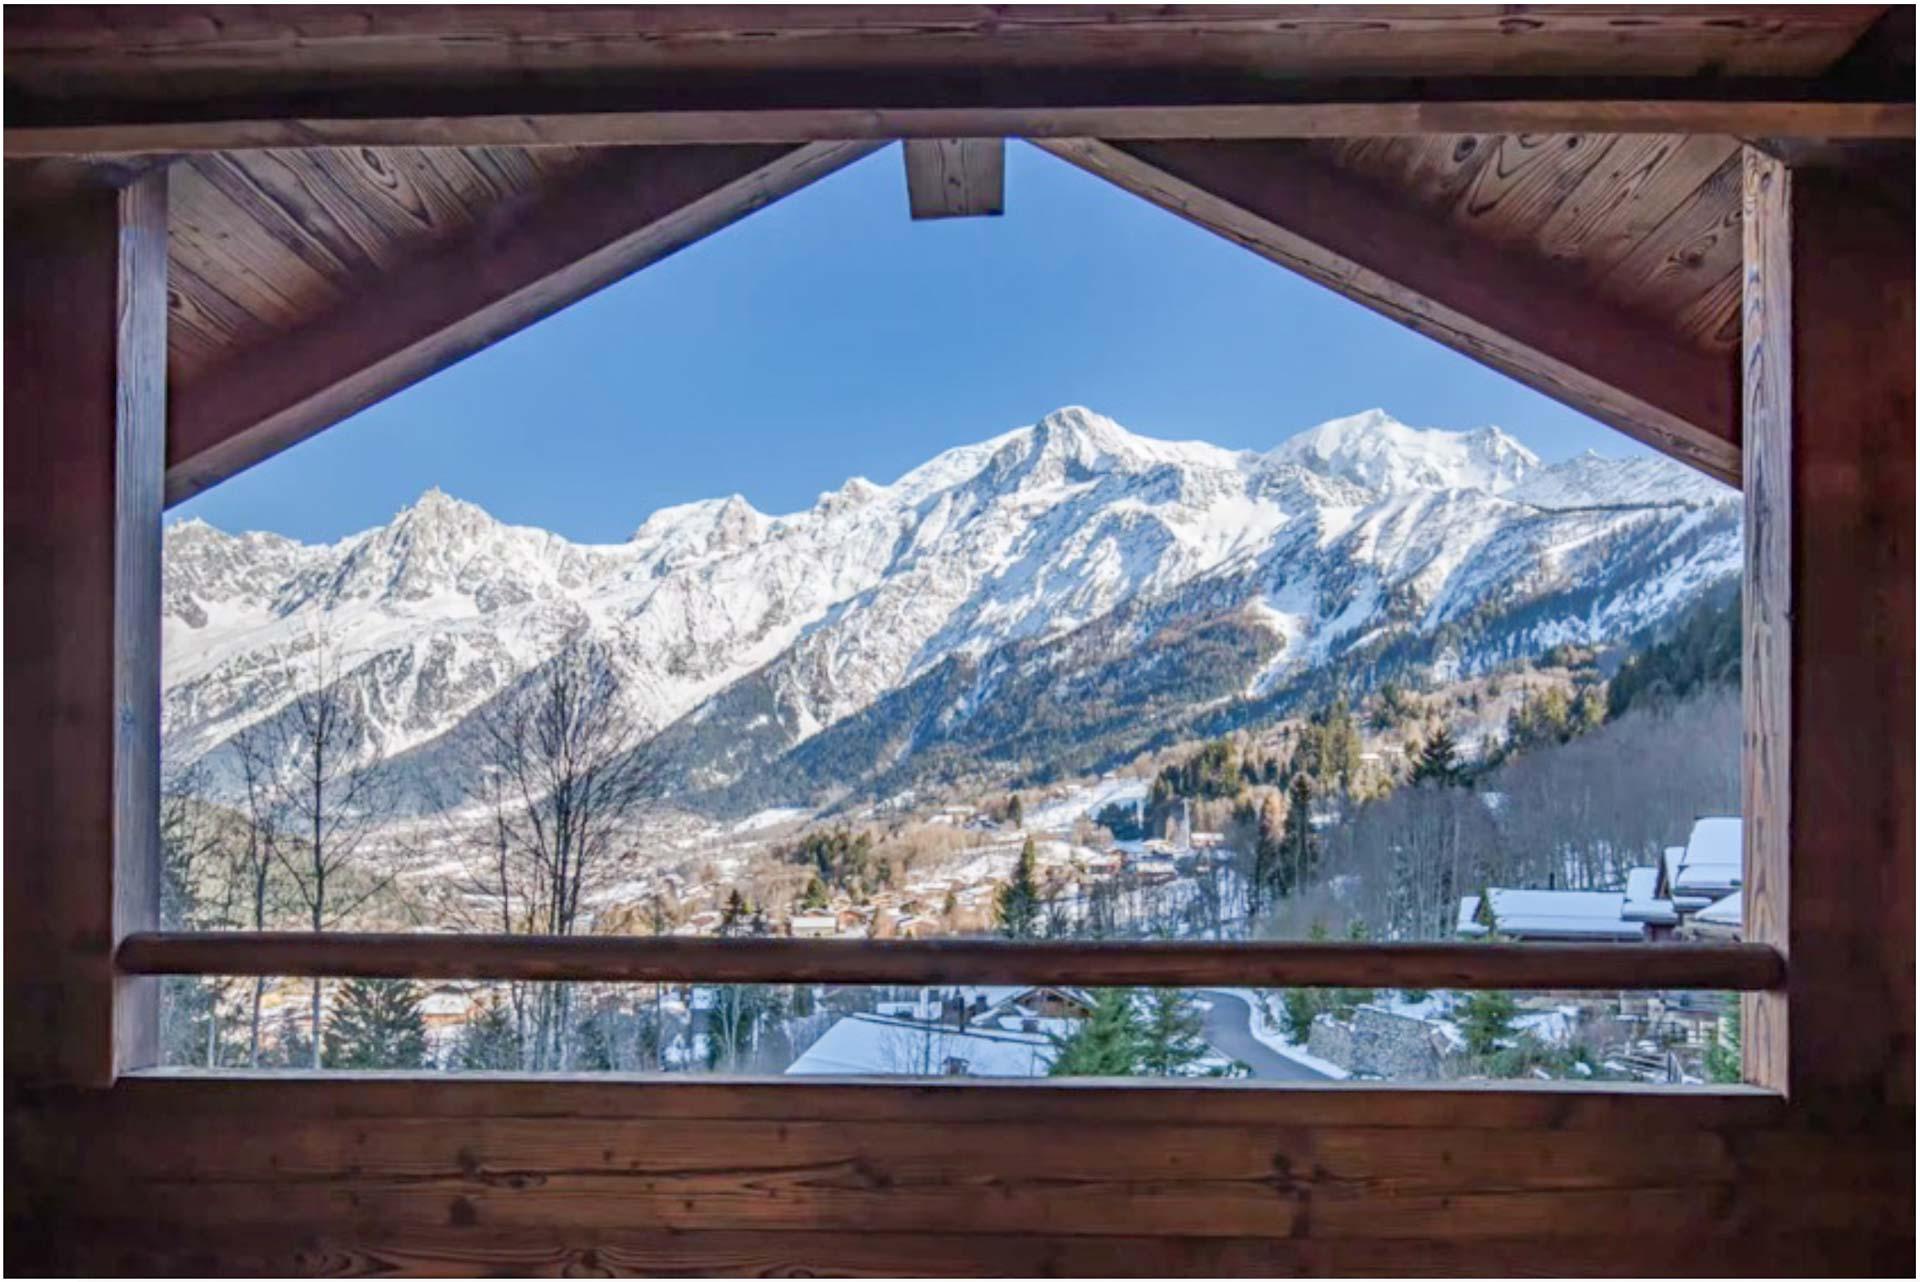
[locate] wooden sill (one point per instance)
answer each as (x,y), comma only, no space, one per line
(1120,1102)
(672,959)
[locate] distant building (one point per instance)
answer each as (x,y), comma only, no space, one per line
(1593,916)
(820,925)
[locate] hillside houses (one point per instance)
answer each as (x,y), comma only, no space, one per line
(966,1031)
(1693,893)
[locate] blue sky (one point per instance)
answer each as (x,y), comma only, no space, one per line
(829,336)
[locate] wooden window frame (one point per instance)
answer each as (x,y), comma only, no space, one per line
(1757,968)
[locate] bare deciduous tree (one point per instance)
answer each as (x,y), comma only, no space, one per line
(561,777)
(331,792)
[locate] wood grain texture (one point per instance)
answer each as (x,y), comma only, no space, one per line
(200,79)
(1587,204)
(524,1176)
(170,50)
(955,177)
(1506,310)
(263,241)
(916,110)
(1766,660)
(515,261)
(645,959)
(1850,613)
(140,434)
(85,376)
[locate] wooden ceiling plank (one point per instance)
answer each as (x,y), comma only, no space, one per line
(1527,179)
(520,262)
(1503,308)
(955,177)
(1435,170)
(1621,201)
(1688,254)
(267,186)
(223,241)
(203,324)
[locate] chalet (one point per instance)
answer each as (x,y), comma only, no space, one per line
(229,228)
(1594,916)
(1718,920)
(1707,868)
(880,1046)
(1644,905)
(813,925)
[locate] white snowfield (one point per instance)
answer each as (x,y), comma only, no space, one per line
(1350,529)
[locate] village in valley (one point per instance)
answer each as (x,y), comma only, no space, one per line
(1411,816)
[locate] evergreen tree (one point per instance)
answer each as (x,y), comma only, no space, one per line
(593,1043)
(735,916)
(1016,813)
(1438,762)
(815,895)
(1170,1032)
(1723,1057)
(1299,1007)
(377,1023)
(1486,1017)
(1107,1043)
(489,1042)
(1301,851)
(1018,907)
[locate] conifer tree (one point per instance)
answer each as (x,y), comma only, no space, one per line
(1018,906)
(489,1042)
(1723,1056)
(1486,1017)
(1439,760)
(815,895)
(1170,1032)
(377,1023)
(1106,1044)
(734,918)
(1302,851)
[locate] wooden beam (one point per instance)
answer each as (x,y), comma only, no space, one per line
(196,78)
(955,177)
(1829,336)
(633,959)
(1519,316)
(494,121)
(523,261)
(170,49)
(86,413)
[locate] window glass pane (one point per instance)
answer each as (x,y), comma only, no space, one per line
(985,1031)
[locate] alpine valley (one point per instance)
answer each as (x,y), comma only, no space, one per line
(1048,602)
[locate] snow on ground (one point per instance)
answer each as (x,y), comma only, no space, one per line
(771,817)
(1086,800)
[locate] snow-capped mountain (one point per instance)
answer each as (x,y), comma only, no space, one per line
(1053,596)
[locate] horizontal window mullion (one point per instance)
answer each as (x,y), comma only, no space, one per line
(1173,964)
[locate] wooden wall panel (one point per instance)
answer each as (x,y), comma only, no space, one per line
(85,422)
(313,1175)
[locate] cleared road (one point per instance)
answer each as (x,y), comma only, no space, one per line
(1228,1029)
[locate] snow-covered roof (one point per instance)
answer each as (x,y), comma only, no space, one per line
(1712,860)
(1465,923)
(869,1045)
(1723,912)
(1562,914)
(1642,903)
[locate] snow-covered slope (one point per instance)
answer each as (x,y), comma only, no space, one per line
(1057,587)
(1371,449)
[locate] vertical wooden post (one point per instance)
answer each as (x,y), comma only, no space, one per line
(1829,456)
(86,350)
